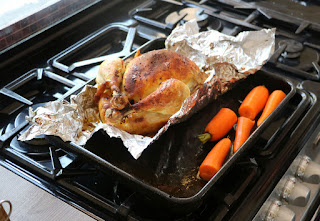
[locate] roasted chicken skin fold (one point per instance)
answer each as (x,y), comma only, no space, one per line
(141,96)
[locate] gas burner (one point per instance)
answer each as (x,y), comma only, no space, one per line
(188,14)
(35,147)
(294,54)
(215,24)
(296,58)
(292,48)
(290,55)
(39,140)
(306,3)
(308,58)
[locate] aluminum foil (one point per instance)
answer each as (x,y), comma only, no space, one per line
(225,59)
(243,54)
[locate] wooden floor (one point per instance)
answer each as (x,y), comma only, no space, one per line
(29,202)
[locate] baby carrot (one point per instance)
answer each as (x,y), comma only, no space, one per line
(254,102)
(273,101)
(243,130)
(215,158)
(219,126)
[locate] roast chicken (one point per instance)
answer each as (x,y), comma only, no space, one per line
(140,96)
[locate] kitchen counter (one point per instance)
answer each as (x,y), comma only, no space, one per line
(29,202)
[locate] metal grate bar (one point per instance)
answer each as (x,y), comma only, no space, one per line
(15,96)
(59,78)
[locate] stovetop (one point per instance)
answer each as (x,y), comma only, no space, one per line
(50,66)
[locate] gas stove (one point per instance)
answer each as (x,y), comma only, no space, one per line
(276,178)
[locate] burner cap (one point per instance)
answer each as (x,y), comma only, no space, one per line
(292,46)
(215,24)
(190,14)
(172,18)
(194,13)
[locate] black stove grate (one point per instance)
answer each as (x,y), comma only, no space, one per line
(230,18)
(87,54)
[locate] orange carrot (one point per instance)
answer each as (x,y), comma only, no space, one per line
(273,101)
(254,102)
(243,130)
(219,126)
(215,158)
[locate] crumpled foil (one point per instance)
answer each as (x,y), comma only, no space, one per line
(245,53)
(226,59)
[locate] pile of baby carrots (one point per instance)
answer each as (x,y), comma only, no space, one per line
(257,100)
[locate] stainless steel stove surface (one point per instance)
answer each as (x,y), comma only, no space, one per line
(277,178)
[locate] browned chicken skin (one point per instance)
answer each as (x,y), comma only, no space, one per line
(141,97)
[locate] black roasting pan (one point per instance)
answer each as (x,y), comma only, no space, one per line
(166,172)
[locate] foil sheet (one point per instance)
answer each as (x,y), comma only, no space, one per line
(240,55)
(226,59)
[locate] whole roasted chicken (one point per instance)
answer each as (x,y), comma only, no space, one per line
(140,96)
